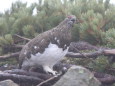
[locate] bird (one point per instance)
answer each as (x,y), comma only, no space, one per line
(49,47)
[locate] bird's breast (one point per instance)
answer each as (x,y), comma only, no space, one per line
(51,55)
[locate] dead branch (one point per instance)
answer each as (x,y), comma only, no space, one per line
(12,48)
(24,38)
(46,81)
(111,70)
(109,52)
(29,73)
(17,46)
(34,78)
(71,54)
(81,45)
(11,55)
(89,55)
(105,78)
(20,78)
(92,54)
(73,47)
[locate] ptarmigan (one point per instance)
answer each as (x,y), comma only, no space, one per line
(48,47)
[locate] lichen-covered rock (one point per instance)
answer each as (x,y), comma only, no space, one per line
(8,83)
(78,76)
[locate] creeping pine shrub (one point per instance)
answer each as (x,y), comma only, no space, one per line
(6,40)
(101,64)
(110,38)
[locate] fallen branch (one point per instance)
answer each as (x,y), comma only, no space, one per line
(73,47)
(111,70)
(105,78)
(20,78)
(48,80)
(92,54)
(71,54)
(29,73)
(109,52)
(81,45)
(89,55)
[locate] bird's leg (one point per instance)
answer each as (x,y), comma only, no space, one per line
(49,70)
(26,66)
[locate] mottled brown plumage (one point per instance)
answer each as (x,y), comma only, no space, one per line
(60,36)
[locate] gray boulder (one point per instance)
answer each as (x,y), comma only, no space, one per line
(8,83)
(78,76)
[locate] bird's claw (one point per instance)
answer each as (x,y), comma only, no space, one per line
(52,73)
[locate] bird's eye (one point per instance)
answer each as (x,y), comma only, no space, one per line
(73,20)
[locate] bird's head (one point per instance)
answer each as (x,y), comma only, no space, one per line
(71,20)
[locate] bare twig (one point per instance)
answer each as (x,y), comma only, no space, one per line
(27,39)
(17,46)
(47,81)
(11,55)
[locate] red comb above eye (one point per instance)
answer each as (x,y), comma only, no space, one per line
(69,16)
